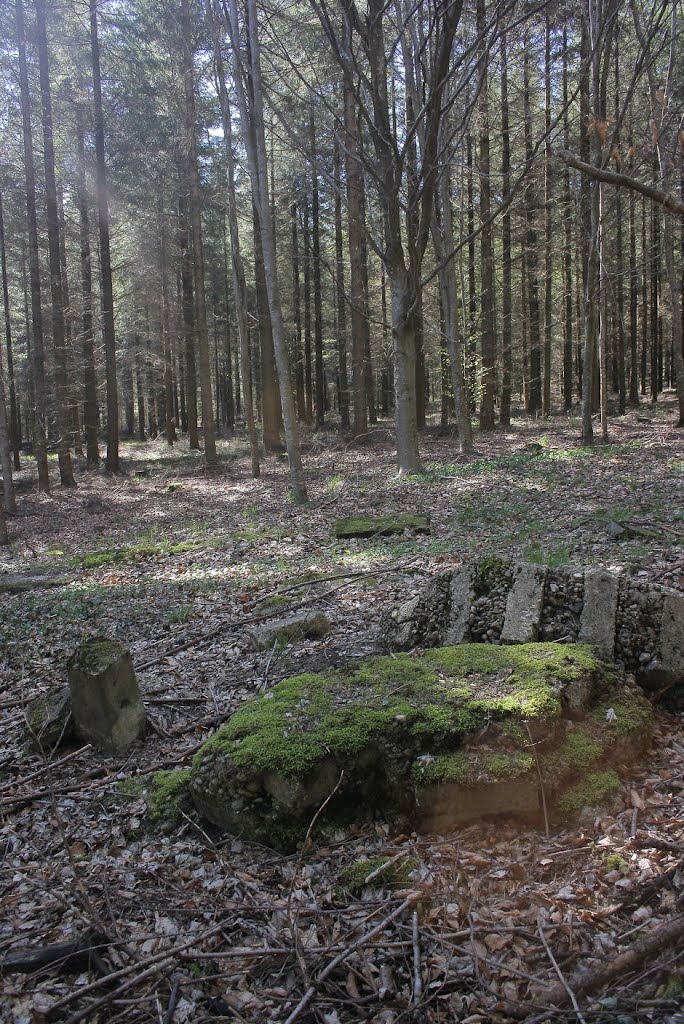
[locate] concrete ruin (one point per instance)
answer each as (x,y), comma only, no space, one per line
(629,621)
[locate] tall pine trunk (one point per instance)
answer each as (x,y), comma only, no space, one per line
(506,255)
(106,288)
(532,255)
(208,422)
(355,201)
(487,316)
(37,345)
(90,410)
(343,382)
(66,470)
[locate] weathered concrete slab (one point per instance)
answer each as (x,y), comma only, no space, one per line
(380,526)
(17,584)
(459,607)
(304,626)
(524,605)
(597,624)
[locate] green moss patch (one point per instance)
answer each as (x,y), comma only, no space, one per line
(592,791)
(380,526)
(169,797)
(97,654)
(436,699)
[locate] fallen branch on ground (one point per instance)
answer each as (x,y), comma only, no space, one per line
(590,979)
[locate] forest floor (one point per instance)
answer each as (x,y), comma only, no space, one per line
(177,563)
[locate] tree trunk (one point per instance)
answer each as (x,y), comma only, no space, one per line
(506,255)
(140,388)
(14,426)
(308,364)
(343,381)
(66,470)
(251,111)
(568,217)
(188,323)
(297,303)
(38,353)
(106,290)
(229,403)
(208,422)
(319,403)
(443,240)
(90,410)
(5,422)
(633,307)
(355,213)
(532,255)
(487,318)
(270,412)
(548,224)
(169,422)
(603,314)
(271,417)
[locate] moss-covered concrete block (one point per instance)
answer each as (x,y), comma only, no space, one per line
(380,526)
(105,700)
(449,735)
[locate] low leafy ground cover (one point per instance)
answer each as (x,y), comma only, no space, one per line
(177,564)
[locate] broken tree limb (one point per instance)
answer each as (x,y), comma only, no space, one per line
(66,957)
(588,980)
(664,199)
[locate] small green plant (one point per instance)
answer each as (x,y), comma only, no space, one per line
(615,862)
(334,482)
(251,514)
(353,876)
(176,616)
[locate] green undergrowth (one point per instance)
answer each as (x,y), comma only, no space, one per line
(352,878)
(136,552)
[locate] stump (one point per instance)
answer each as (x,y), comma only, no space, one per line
(105,700)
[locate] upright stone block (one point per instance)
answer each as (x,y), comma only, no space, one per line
(105,700)
(666,671)
(459,606)
(524,605)
(597,623)
(672,636)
